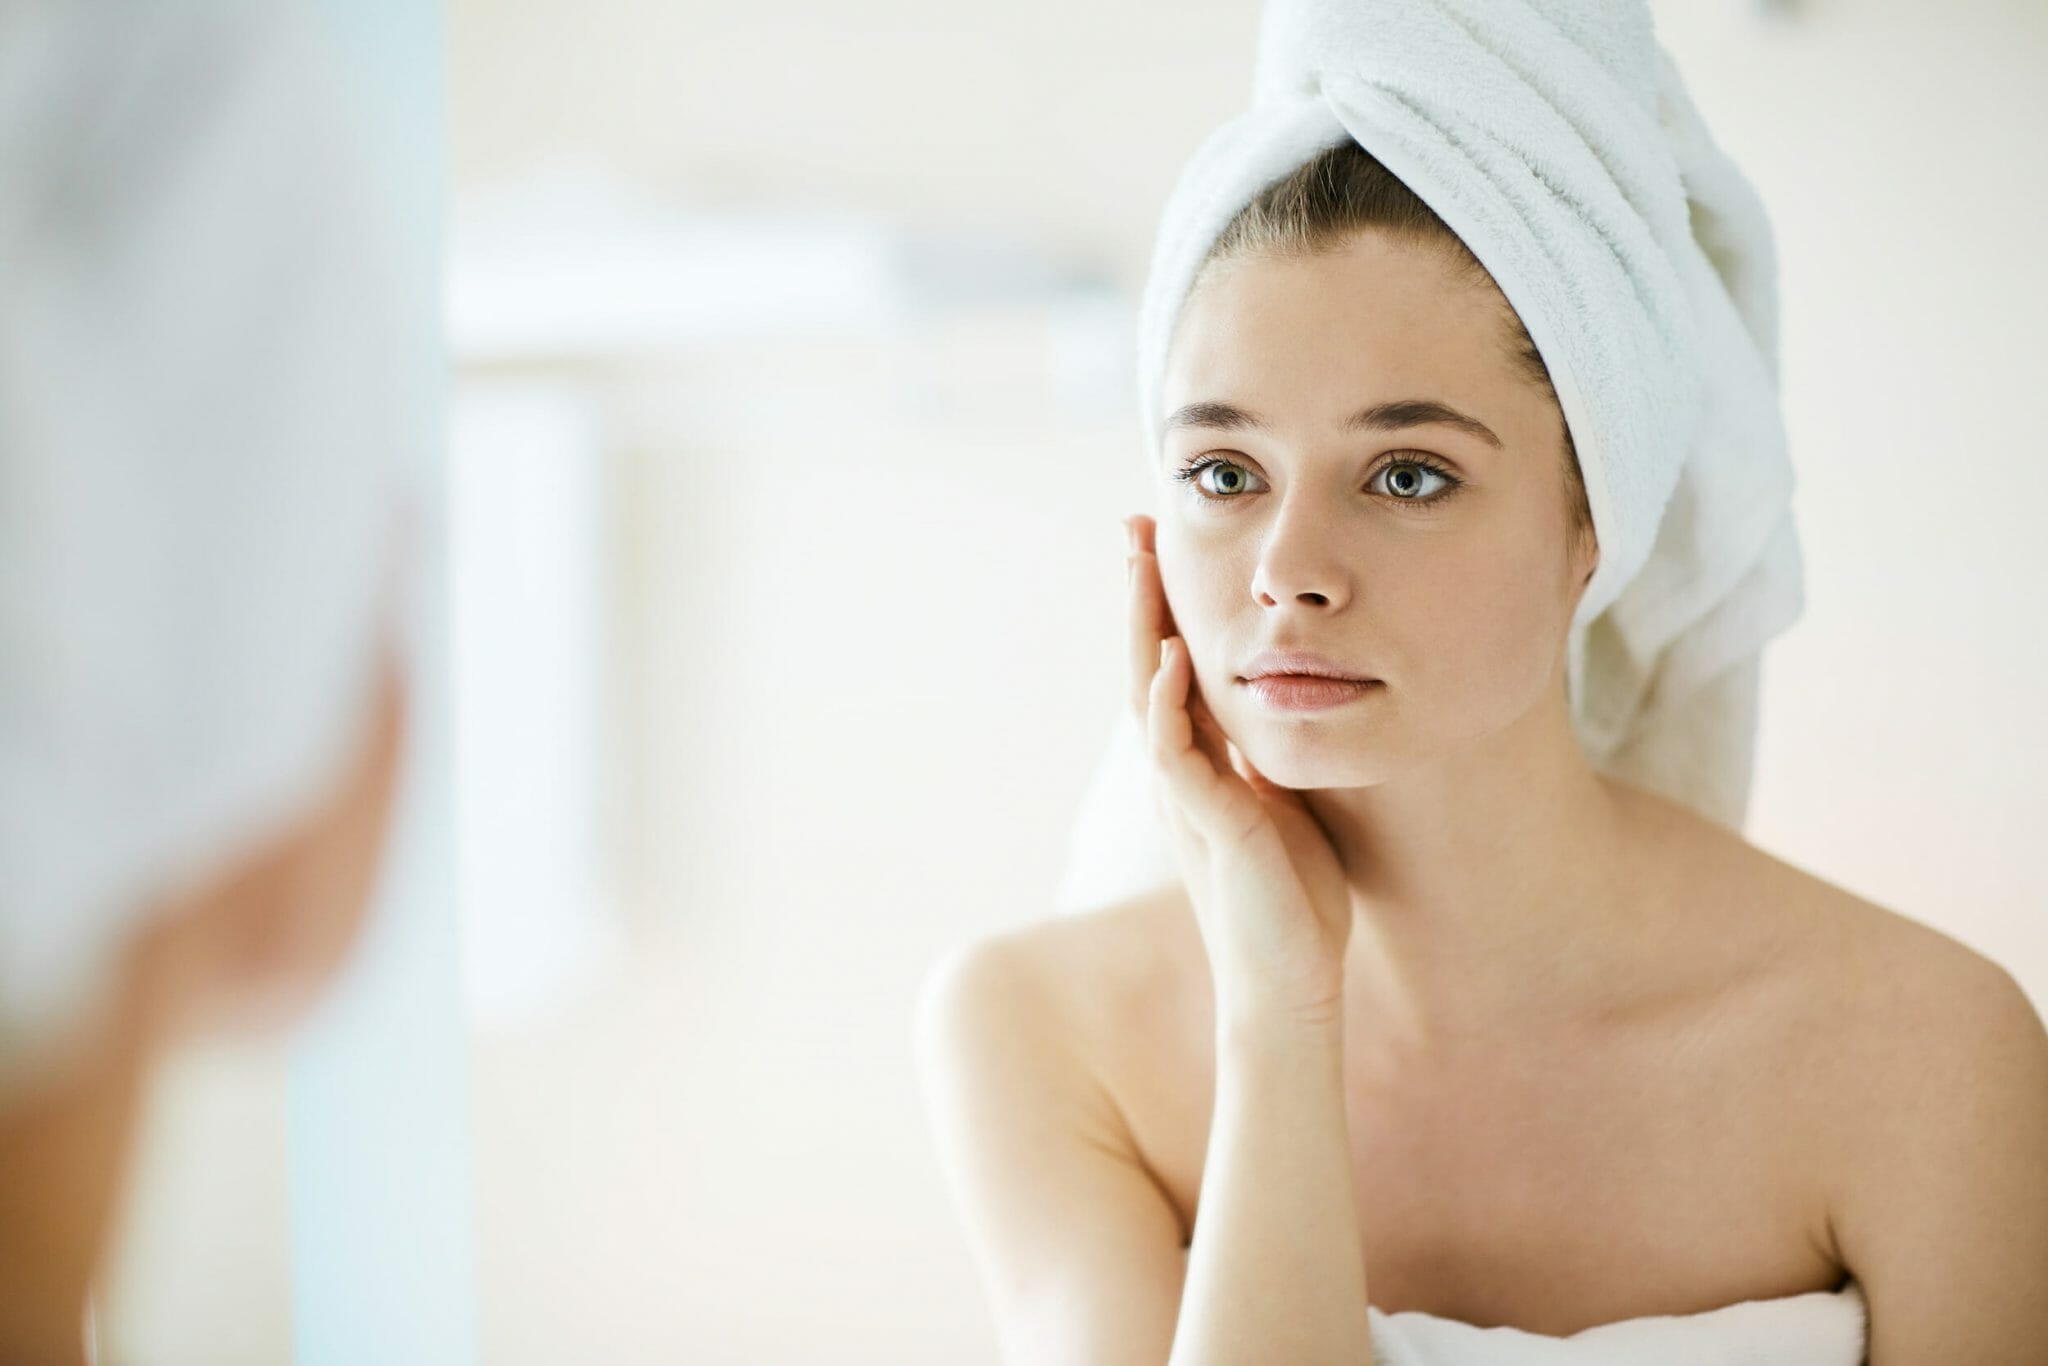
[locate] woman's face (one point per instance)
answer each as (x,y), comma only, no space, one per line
(1416,552)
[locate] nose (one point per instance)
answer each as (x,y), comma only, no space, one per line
(1299,564)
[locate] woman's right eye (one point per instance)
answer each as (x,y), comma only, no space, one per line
(1230,480)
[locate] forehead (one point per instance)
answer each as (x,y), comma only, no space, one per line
(1314,336)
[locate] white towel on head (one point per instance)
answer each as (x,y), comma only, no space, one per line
(1821,1328)
(200,447)
(1556,138)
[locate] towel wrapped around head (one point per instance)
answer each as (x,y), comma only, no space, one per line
(1557,140)
(201,433)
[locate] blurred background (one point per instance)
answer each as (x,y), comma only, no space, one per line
(790,423)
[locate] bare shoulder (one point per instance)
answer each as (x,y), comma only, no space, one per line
(1920,1019)
(1901,1046)
(1927,1124)
(1078,1247)
(1876,973)
(1082,978)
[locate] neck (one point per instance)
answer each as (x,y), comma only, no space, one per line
(1490,891)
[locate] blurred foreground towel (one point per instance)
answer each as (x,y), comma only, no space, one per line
(1556,138)
(1824,1328)
(199,443)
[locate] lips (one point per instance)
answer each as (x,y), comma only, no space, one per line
(1301,664)
(1302,692)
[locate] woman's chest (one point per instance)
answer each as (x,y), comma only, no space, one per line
(1550,1190)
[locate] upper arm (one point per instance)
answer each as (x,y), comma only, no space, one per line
(1944,1221)
(1078,1249)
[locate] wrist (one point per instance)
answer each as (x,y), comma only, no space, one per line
(1258,1019)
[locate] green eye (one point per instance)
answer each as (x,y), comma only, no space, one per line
(1229,482)
(1405,480)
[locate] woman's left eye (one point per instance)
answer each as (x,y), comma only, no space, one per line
(1407,480)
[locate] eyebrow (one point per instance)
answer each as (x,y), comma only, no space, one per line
(1391,416)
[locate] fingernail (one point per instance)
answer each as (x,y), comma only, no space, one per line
(1164,645)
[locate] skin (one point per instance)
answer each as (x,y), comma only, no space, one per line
(251,947)
(1595,1057)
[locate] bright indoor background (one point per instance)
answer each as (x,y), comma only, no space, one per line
(790,429)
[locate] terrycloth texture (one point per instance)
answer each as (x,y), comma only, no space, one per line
(1824,1328)
(199,450)
(1556,138)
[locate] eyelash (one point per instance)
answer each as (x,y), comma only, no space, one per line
(1191,471)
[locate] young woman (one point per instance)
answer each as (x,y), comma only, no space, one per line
(1440,1017)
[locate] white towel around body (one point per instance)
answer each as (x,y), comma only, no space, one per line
(1822,1328)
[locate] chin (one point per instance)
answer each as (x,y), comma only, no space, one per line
(1306,755)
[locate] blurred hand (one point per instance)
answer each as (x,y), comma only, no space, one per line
(1267,887)
(255,946)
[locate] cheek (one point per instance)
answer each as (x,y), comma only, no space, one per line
(1485,621)
(1201,598)
(1197,582)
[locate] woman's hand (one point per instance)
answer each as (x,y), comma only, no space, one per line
(1268,890)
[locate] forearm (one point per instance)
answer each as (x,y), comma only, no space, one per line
(65,1142)
(1276,1271)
